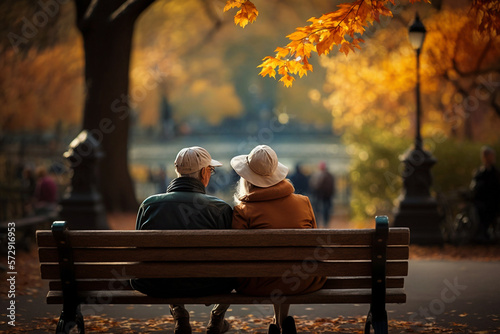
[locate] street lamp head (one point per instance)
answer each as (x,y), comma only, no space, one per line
(417,33)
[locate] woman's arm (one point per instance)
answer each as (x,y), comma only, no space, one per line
(239,221)
(313,221)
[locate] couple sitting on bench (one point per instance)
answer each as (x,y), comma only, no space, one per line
(264,199)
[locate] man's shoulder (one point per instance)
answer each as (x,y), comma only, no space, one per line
(155,199)
(184,196)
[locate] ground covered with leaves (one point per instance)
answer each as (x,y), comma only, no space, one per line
(248,324)
(29,283)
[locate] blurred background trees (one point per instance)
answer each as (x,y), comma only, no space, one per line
(372,100)
(194,72)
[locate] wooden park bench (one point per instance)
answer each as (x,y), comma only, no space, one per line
(363,266)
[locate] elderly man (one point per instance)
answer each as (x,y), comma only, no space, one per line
(186,205)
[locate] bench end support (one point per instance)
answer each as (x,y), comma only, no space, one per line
(67,321)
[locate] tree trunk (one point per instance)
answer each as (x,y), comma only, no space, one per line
(107,35)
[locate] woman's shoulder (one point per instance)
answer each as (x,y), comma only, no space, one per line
(300,198)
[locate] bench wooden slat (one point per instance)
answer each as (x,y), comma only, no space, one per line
(226,238)
(216,253)
(94,267)
(324,296)
(331,283)
(222,269)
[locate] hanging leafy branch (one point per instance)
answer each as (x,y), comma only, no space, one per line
(247,14)
(487,14)
(341,27)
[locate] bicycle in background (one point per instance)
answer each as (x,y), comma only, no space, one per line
(461,223)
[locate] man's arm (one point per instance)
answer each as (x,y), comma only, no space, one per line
(140,218)
(227,217)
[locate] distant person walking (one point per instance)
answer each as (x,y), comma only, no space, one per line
(485,188)
(322,184)
(46,195)
(300,181)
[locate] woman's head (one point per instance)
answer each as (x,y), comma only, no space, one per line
(261,167)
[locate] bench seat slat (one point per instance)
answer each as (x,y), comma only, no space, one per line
(331,283)
(324,296)
(217,253)
(226,238)
(94,267)
(221,269)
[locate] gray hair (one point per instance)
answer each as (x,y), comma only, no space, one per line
(194,175)
(243,188)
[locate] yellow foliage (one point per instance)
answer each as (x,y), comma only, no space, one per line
(377,86)
(42,88)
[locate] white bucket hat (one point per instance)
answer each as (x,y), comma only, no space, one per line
(192,159)
(261,167)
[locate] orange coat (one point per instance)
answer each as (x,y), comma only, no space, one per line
(276,207)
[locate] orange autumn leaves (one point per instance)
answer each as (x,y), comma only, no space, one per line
(341,27)
(247,13)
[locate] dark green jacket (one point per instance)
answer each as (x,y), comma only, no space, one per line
(185,206)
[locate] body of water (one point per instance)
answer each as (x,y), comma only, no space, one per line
(148,160)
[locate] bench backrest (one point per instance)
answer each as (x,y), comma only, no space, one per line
(345,256)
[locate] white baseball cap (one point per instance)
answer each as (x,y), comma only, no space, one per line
(193,159)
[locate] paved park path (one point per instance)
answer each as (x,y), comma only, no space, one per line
(440,292)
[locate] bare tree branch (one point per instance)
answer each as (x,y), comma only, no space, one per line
(483,54)
(90,9)
(217,25)
(81,8)
(131,8)
(211,12)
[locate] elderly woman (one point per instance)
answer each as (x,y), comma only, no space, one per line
(266,200)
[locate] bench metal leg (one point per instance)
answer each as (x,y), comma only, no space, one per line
(69,320)
(377,316)
(378,322)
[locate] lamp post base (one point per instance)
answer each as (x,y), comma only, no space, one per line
(84,211)
(82,206)
(423,219)
(418,210)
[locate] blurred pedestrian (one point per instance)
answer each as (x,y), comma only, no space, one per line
(162,180)
(485,188)
(322,184)
(28,187)
(300,181)
(46,194)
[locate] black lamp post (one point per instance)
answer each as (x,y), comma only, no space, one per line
(416,34)
(417,208)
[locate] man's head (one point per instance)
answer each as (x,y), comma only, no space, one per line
(195,162)
(488,156)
